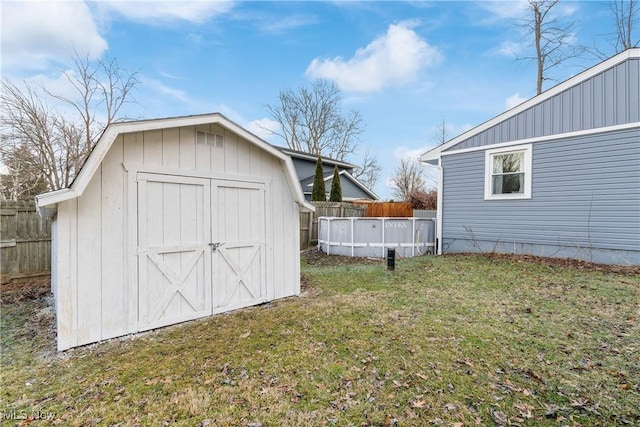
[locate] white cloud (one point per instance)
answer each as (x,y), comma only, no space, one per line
(520,9)
(158,86)
(272,25)
(511,49)
(156,12)
(401,152)
(57,84)
(264,128)
(498,10)
(35,33)
(396,57)
(513,101)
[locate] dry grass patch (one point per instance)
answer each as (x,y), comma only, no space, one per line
(463,340)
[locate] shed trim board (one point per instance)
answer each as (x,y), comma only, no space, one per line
(167,229)
(139,168)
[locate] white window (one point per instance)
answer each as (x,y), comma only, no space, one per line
(508,173)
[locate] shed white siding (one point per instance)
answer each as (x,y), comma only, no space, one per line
(135,243)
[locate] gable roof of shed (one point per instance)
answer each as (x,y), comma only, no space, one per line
(112,131)
(434,153)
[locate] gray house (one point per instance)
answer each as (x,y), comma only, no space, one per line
(557,176)
(305,166)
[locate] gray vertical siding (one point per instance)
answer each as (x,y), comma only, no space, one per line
(607,99)
(349,189)
(585,202)
(304,167)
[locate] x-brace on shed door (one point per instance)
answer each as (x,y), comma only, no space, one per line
(239,244)
(201,247)
(174,264)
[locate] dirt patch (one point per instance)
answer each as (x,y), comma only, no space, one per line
(317,258)
(562,262)
(24,291)
(28,321)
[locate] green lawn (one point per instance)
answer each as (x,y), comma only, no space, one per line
(456,340)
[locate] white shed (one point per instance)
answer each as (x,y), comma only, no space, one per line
(171,220)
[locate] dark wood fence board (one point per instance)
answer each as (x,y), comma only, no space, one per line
(25,242)
(309,220)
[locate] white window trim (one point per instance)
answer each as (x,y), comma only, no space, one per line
(488,168)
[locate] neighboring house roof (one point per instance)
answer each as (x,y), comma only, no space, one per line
(313,157)
(112,131)
(433,155)
(304,163)
(307,183)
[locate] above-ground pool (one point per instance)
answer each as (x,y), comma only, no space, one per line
(371,237)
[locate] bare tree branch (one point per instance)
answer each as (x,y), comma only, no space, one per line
(40,144)
(408,177)
(625,13)
(311,120)
(442,132)
(368,172)
(552,39)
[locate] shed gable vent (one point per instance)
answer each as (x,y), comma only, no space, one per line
(210,139)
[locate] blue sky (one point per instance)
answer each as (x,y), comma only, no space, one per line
(405,66)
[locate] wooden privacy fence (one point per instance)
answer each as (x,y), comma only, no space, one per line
(25,242)
(386,209)
(309,220)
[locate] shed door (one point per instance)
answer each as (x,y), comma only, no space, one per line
(239,227)
(173,249)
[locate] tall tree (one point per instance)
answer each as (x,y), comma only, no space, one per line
(408,178)
(318,193)
(551,38)
(101,90)
(311,119)
(55,145)
(336,186)
(35,136)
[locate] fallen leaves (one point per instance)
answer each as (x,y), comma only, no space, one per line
(436,350)
(525,410)
(419,403)
(499,417)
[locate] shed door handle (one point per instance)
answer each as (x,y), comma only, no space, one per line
(215,246)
